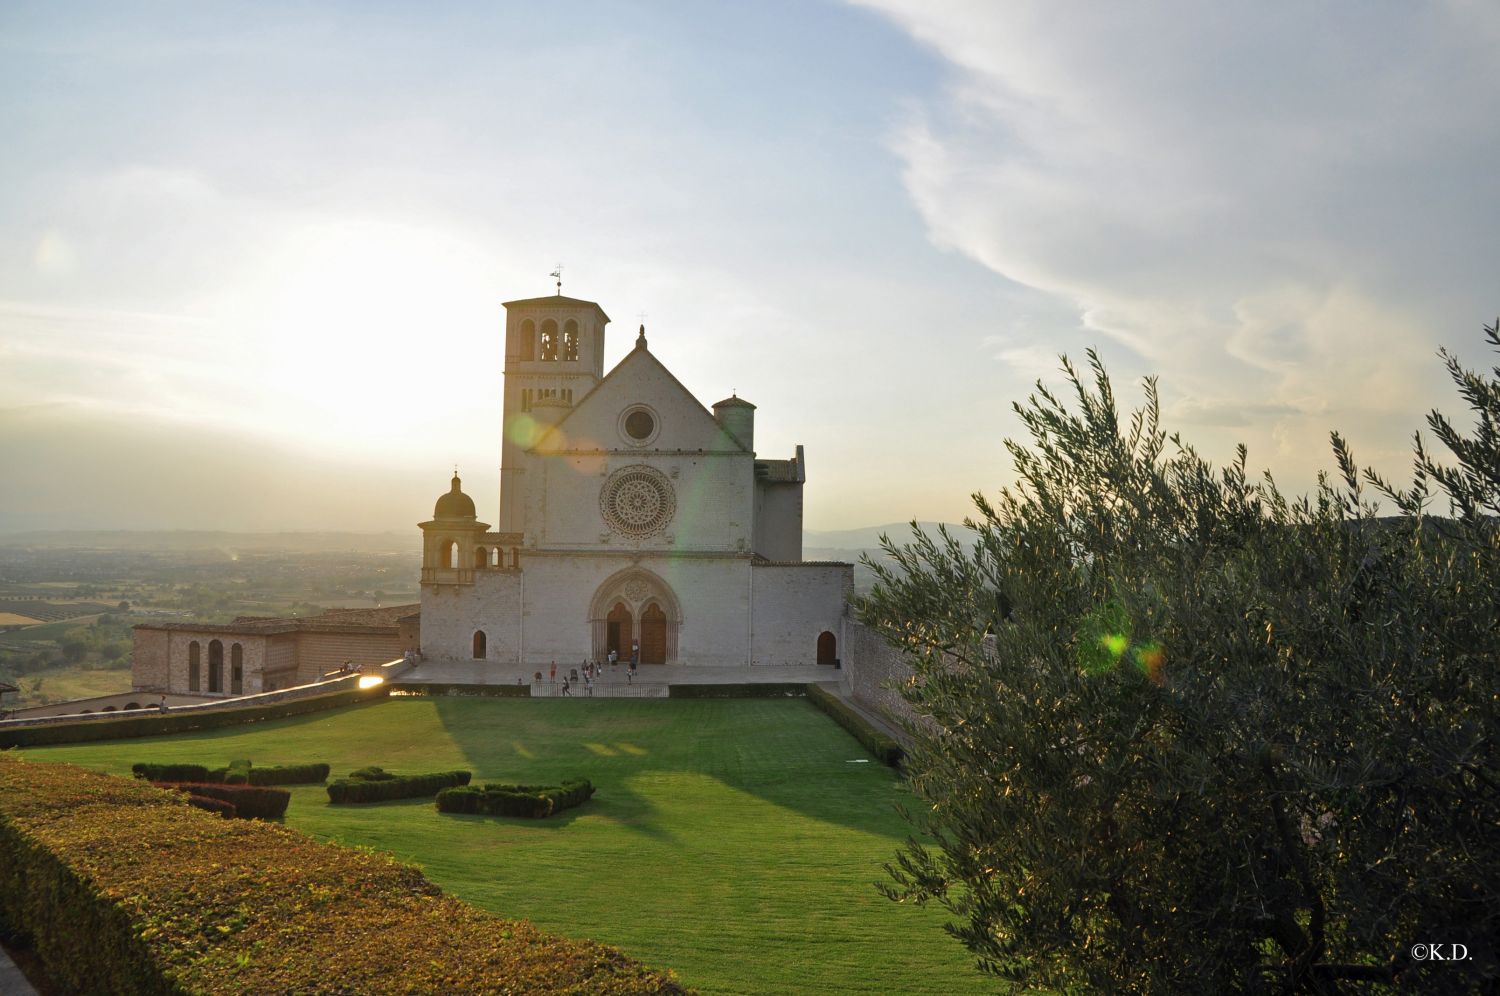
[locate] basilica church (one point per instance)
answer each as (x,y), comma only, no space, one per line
(632,520)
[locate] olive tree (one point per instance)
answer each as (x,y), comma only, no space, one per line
(1180,732)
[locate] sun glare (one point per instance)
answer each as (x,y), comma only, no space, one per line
(347,317)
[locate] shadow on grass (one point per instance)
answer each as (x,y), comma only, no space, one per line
(784,752)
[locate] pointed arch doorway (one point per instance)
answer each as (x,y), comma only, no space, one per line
(618,633)
(635,606)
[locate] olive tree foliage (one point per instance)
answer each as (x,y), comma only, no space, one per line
(1180,732)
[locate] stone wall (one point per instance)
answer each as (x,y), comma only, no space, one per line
(150,660)
(451,613)
(778,520)
(793,605)
(870,666)
(319,653)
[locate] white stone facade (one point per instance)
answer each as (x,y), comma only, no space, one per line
(633,519)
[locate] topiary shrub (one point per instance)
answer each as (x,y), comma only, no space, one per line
(371,774)
(224,809)
(238,773)
(249,801)
(289,774)
(531,801)
(171,772)
(387,786)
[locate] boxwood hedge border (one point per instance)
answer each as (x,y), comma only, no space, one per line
(181,720)
(880,744)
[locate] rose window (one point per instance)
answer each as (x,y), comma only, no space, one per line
(637,501)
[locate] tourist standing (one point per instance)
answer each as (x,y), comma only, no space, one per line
(565,687)
(552,676)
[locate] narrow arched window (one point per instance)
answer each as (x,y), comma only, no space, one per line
(215,666)
(528,340)
(549,340)
(480,642)
(481,557)
(450,553)
(570,340)
(195,653)
(237,669)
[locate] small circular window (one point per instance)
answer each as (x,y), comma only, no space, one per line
(639,425)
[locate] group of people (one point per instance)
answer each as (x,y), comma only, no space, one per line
(591,672)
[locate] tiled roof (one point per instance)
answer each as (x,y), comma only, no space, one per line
(776,470)
(333,621)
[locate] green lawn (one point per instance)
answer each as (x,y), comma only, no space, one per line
(731,840)
(69,681)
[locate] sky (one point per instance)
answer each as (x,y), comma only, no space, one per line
(252,255)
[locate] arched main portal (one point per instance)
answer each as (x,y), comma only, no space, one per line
(635,606)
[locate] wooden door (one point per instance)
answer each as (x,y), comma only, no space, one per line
(828,648)
(653,635)
(618,625)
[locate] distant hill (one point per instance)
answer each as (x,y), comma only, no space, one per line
(868,538)
(178,540)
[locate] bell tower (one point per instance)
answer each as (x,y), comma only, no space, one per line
(554,352)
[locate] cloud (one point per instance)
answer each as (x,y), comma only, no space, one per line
(1281,209)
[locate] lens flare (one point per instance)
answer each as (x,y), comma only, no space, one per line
(522,430)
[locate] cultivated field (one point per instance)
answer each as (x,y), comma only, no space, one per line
(735,841)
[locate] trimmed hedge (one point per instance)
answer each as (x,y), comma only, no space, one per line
(290,774)
(371,774)
(249,801)
(157,724)
(282,774)
(453,688)
(224,809)
(745,690)
(387,787)
(234,906)
(532,801)
(877,743)
(171,772)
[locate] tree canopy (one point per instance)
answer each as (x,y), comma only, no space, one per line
(1179,732)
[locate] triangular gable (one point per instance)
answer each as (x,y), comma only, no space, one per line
(640,378)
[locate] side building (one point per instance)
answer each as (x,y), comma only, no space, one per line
(257,654)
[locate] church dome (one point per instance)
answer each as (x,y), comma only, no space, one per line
(455,504)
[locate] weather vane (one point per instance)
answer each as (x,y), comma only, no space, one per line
(557,275)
